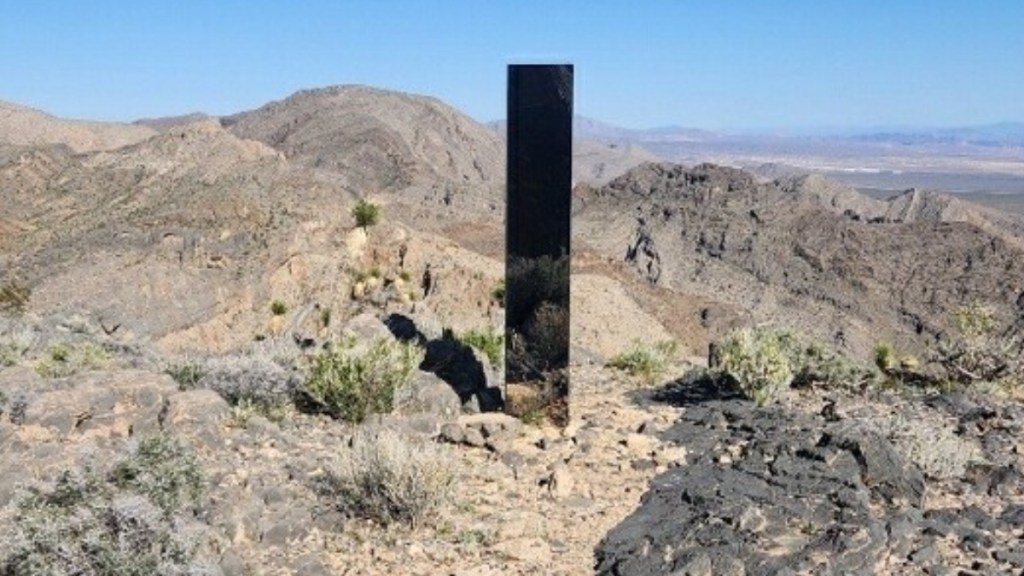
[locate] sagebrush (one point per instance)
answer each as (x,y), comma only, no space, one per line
(390,478)
(129,521)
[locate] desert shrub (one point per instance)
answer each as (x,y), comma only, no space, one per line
(14,297)
(278,308)
(885,357)
(982,351)
(488,341)
(764,363)
(934,448)
(162,469)
(127,522)
(390,478)
(17,340)
(646,361)
(67,359)
(186,371)
(254,380)
(325,317)
(350,385)
(366,213)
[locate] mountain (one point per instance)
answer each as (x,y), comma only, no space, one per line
(375,141)
(802,254)
(186,236)
(165,123)
(600,151)
(1002,134)
(22,126)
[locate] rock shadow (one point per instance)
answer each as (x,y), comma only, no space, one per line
(453,362)
(693,388)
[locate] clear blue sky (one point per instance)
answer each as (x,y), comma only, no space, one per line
(718,64)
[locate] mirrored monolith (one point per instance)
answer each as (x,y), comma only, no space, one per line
(539,181)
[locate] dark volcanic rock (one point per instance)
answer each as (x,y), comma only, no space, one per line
(781,492)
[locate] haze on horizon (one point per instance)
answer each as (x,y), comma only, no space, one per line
(737,66)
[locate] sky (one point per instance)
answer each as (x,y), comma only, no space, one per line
(733,65)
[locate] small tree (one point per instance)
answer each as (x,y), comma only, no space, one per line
(366,214)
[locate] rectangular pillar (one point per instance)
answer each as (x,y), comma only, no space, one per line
(539,204)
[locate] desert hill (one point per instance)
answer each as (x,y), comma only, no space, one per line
(22,126)
(807,260)
(375,140)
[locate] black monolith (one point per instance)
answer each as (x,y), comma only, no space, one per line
(539,181)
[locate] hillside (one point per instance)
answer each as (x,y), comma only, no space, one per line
(376,141)
(805,260)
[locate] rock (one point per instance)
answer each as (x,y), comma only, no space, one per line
(532,550)
(453,433)
(493,424)
(232,565)
(473,437)
(560,483)
(428,393)
(192,409)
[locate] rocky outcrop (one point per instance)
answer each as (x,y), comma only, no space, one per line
(776,491)
(801,254)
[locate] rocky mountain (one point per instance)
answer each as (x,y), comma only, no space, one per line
(22,126)
(165,123)
(376,141)
(803,254)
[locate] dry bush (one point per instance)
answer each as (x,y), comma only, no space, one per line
(251,380)
(933,447)
(129,521)
(390,478)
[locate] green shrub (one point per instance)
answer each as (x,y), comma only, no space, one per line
(366,213)
(390,478)
(278,308)
(325,317)
(488,341)
(351,386)
(885,357)
(647,362)
(187,372)
(63,360)
(764,363)
(128,522)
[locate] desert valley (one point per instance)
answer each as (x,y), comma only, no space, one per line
(220,355)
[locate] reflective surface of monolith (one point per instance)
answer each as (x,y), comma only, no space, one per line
(539,181)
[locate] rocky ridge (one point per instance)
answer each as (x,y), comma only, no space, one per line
(820,262)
